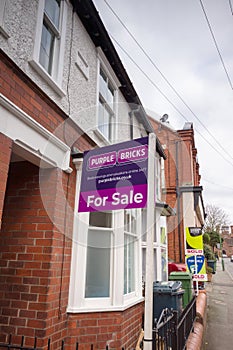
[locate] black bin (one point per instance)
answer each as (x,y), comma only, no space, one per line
(167,295)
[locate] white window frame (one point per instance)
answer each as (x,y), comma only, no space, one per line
(117,301)
(55,79)
(104,65)
(127,234)
(110,231)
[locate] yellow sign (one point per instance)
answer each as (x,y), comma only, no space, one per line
(194,241)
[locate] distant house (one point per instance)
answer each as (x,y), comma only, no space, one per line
(64,91)
(227,235)
(181,190)
(225,229)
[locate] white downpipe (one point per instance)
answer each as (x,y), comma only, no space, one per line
(151,190)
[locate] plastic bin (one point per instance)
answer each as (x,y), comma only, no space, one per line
(186,279)
(212,263)
(167,295)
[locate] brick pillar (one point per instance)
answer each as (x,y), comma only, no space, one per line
(5,154)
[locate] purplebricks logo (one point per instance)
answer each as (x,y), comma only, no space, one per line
(122,156)
(99,161)
(133,154)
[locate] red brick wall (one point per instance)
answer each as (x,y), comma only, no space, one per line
(116,329)
(25,254)
(35,256)
(5,154)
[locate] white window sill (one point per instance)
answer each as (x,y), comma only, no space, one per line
(40,70)
(128,304)
(101,137)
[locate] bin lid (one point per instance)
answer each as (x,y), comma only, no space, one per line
(180,275)
(167,286)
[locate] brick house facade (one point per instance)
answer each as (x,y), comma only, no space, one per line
(227,235)
(182,190)
(47,115)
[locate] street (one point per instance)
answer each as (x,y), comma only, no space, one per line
(218,333)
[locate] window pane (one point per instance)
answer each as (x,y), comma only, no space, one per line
(52,9)
(144,226)
(107,124)
(100,219)
(129,250)
(130,220)
(164,265)
(125,267)
(100,115)
(110,95)
(155,265)
(127,220)
(144,265)
(98,264)
(133,221)
(129,264)
(106,110)
(46,48)
(144,221)
(104,121)
(103,84)
(163,238)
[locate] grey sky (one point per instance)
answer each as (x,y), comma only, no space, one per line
(176,36)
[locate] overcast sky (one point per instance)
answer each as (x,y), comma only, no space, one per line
(176,36)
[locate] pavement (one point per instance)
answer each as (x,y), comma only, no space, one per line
(219,327)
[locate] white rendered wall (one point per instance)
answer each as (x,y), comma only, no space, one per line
(80,90)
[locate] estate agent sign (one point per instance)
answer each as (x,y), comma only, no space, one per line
(195,260)
(194,241)
(115,177)
(196,266)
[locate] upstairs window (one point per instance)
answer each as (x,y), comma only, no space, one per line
(50,34)
(49,45)
(106,110)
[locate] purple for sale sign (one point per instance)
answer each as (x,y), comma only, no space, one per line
(115,177)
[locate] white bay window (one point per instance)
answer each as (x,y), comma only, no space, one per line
(106,260)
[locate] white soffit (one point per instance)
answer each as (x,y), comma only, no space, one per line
(31,138)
